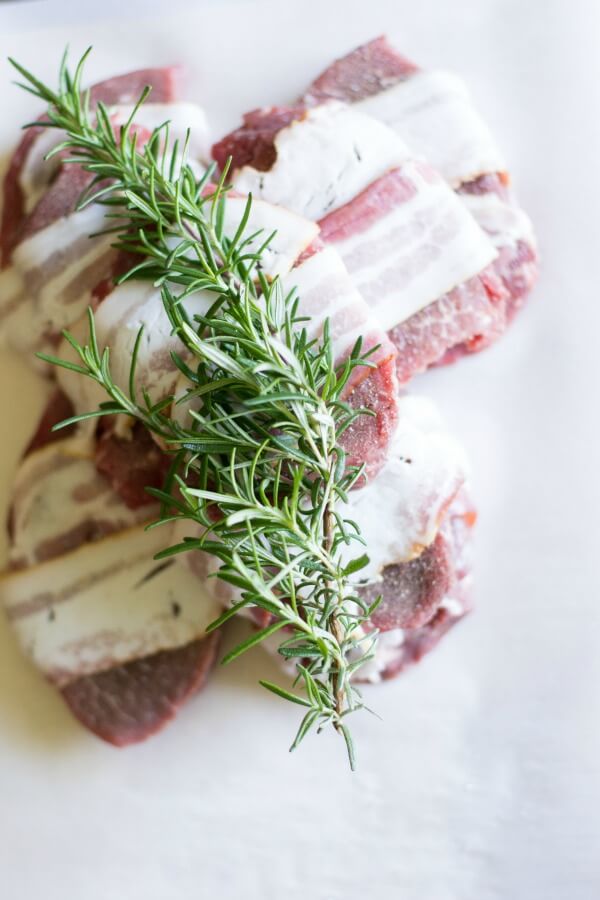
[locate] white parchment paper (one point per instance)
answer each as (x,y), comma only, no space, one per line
(483,780)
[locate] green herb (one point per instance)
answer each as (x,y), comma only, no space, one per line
(260,469)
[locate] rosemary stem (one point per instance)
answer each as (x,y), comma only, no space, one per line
(269,400)
(336,629)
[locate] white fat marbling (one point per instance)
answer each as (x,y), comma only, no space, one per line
(425,469)
(120,316)
(424,473)
(35,301)
(502,220)
(324,160)
(37,171)
(34,292)
(389,646)
(326,291)
(135,304)
(293,232)
(56,489)
(434,114)
(417,252)
(105,604)
(181,116)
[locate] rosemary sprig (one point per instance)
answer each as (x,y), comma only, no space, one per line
(260,468)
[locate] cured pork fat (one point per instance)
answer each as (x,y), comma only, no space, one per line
(414,252)
(119,634)
(52,270)
(433,112)
(410,242)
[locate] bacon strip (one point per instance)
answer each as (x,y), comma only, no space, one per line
(132,462)
(103,605)
(422,599)
(324,288)
(60,501)
(136,305)
(434,246)
(411,247)
(401,511)
(56,270)
(433,112)
(27,172)
(326,292)
(121,701)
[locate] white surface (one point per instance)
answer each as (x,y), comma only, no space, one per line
(483,781)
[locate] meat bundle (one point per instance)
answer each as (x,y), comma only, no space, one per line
(119,634)
(406,181)
(416,519)
(122,636)
(52,270)
(432,111)
(412,244)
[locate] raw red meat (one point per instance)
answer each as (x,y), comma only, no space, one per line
(516,265)
(470,316)
(132,464)
(412,591)
(253,142)
(426,597)
(367,438)
(421,641)
(422,599)
(127,704)
(364,72)
(57,271)
(58,201)
(130,702)
(58,408)
(417,518)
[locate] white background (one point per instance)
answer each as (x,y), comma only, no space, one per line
(483,780)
